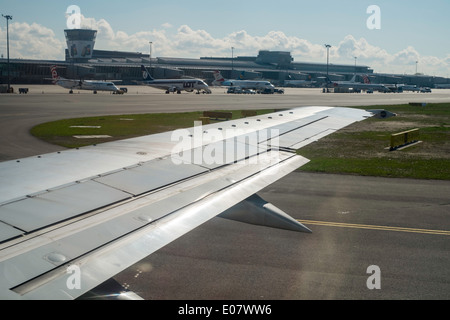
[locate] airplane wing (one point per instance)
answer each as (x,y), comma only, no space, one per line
(167,87)
(73,219)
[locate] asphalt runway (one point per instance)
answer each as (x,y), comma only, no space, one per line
(400,225)
(19,113)
(357,222)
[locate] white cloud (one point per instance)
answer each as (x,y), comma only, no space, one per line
(38,42)
(189,40)
(32,41)
(403,61)
(349,48)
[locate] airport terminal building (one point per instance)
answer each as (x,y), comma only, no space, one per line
(82,61)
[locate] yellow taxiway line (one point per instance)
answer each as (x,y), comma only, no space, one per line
(372,227)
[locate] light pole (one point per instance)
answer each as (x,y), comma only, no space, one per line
(150,42)
(355,64)
(8,17)
(328,61)
(232,61)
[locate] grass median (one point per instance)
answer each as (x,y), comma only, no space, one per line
(65,132)
(361,148)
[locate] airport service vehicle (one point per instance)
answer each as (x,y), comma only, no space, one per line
(238,90)
(174,85)
(367,85)
(83,84)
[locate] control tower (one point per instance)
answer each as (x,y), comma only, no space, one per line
(80,44)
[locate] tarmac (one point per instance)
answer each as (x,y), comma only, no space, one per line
(43,103)
(402,226)
(398,225)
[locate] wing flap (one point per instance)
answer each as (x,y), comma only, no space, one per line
(313,128)
(33,213)
(36,174)
(8,232)
(150,176)
(158,218)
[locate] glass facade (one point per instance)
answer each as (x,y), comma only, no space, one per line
(113,65)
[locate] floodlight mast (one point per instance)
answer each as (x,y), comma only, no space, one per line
(328,61)
(8,17)
(150,60)
(232,61)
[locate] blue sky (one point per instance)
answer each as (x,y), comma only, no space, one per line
(411,30)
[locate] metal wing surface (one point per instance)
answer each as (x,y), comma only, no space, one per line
(100,209)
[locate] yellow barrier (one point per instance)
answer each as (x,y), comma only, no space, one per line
(248,113)
(204,120)
(404,138)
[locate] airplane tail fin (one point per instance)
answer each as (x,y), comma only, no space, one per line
(145,74)
(218,78)
(55,76)
(353,78)
(366,79)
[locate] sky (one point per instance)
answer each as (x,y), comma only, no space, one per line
(390,39)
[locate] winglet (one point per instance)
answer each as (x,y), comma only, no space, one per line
(257,211)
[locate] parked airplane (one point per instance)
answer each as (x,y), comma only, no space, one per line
(174,85)
(367,85)
(219,80)
(83,84)
(402,87)
(299,83)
